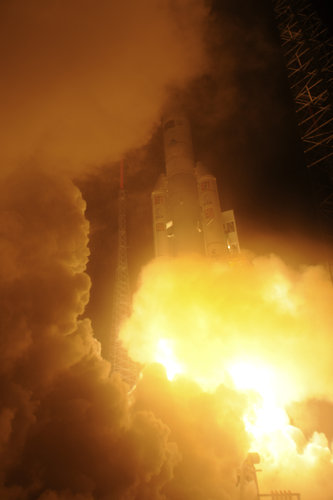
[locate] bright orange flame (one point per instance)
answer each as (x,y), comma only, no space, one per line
(264,416)
(250,327)
(268,423)
(252,376)
(165,356)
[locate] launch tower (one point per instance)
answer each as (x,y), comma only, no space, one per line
(308,52)
(120,361)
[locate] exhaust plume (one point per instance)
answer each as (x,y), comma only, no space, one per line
(215,312)
(260,330)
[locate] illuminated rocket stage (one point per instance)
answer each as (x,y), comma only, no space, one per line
(187,216)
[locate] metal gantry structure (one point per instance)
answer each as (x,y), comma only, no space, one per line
(308,51)
(280,495)
(120,361)
(247,475)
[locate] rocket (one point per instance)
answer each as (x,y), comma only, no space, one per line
(187,217)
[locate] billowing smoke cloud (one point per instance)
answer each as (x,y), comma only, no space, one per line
(83,82)
(66,427)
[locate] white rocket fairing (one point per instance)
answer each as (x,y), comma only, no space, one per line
(186,209)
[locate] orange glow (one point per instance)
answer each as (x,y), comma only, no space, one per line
(264,416)
(164,355)
(250,328)
(252,376)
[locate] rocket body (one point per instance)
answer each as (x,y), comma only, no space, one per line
(186,209)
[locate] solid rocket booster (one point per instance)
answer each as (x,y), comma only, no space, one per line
(211,219)
(187,216)
(184,209)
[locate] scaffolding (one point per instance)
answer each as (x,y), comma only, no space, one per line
(308,51)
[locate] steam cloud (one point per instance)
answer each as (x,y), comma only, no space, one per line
(83,83)
(66,428)
(260,312)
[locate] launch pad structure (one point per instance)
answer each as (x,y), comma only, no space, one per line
(280,495)
(248,476)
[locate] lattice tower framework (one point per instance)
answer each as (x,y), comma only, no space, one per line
(308,51)
(120,361)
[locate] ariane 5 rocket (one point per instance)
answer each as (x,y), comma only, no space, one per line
(187,216)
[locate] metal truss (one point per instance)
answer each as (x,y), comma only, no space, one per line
(120,360)
(308,52)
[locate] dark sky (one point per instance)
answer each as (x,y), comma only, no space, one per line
(324,9)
